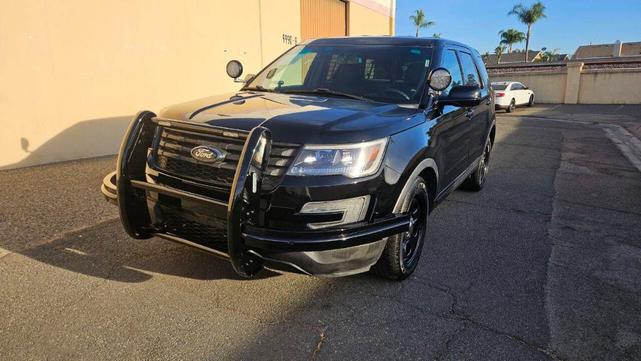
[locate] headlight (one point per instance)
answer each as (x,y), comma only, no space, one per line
(351,160)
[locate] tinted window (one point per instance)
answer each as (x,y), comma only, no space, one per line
(499,86)
(485,78)
(470,73)
(516,86)
(450,63)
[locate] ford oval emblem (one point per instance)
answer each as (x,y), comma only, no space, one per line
(208,154)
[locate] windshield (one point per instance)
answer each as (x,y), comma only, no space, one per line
(499,86)
(384,73)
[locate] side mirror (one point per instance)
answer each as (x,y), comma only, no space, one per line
(462,96)
(440,79)
(234,69)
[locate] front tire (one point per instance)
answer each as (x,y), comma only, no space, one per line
(403,251)
(531,102)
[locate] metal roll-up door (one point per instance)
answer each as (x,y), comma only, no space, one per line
(323,18)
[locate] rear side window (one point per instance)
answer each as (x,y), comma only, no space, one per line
(450,63)
(485,78)
(499,86)
(470,73)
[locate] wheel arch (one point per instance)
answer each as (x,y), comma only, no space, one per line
(428,170)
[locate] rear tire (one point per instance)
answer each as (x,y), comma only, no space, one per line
(476,180)
(403,251)
(531,102)
(510,108)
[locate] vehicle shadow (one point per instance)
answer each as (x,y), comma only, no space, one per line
(106,251)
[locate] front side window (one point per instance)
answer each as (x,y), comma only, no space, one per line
(384,73)
(450,62)
(470,73)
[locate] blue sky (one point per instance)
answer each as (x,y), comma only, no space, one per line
(569,23)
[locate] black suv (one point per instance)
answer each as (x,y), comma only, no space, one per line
(327,162)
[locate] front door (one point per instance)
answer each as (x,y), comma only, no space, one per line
(452,126)
(520,93)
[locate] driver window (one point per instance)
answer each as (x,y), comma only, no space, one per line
(294,73)
(450,62)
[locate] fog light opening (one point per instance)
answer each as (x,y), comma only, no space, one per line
(353,210)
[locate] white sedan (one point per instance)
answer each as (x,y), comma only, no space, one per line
(510,94)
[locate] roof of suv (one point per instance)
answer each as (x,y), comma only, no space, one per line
(384,40)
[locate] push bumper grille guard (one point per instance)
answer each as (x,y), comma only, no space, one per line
(241,211)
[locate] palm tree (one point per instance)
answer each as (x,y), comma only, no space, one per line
(436,35)
(418,19)
(510,37)
(528,16)
(499,52)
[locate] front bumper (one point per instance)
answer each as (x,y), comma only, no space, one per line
(329,252)
(333,251)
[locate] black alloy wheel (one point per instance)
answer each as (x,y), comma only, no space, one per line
(416,233)
(476,181)
(403,251)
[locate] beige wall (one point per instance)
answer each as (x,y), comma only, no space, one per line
(548,87)
(372,17)
(596,86)
(278,18)
(621,86)
(73,72)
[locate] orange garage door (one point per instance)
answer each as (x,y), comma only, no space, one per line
(322,18)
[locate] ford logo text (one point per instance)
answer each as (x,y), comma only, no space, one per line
(208,154)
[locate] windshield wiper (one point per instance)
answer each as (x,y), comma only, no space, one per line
(325,91)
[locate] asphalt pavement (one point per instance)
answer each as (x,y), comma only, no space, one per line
(544,263)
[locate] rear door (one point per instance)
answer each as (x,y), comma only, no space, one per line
(479,115)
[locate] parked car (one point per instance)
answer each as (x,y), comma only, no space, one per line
(510,94)
(327,162)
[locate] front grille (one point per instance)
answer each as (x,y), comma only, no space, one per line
(206,231)
(173,155)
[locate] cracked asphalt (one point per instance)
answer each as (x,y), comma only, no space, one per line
(544,263)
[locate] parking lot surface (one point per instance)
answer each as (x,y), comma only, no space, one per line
(544,263)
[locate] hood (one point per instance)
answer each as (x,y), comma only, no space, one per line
(297,118)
